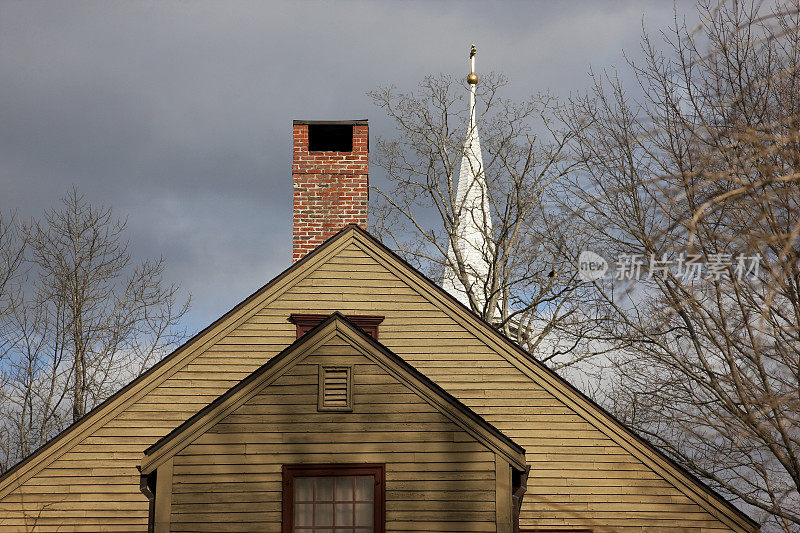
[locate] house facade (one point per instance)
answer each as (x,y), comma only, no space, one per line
(352,394)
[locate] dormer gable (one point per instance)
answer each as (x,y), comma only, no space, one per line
(336,326)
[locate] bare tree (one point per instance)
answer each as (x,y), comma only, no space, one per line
(84,321)
(12,247)
(528,288)
(695,189)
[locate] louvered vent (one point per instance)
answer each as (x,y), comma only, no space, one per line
(334,388)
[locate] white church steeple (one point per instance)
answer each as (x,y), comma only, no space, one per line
(472,214)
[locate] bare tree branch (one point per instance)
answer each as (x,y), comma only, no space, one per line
(705,164)
(529,250)
(81,323)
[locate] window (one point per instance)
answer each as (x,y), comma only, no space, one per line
(305,322)
(337,498)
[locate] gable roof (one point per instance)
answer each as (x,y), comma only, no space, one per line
(690,485)
(637,445)
(336,324)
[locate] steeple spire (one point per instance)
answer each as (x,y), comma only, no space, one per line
(470,246)
(472,81)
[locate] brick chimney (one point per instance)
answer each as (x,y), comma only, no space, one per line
(330,175)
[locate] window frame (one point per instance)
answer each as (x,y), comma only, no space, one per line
(291,472)
(305,322)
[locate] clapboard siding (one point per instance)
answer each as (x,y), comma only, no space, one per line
(569,456)
(556,438)
(425,468)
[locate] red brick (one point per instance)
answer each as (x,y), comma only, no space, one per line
(330,189)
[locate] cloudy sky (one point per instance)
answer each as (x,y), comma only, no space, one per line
(178,114)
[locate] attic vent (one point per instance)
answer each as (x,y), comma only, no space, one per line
(330,138)
(335,390)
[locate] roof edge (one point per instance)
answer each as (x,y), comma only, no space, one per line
(195,423)
(7,476)
(364,337)
(492,332)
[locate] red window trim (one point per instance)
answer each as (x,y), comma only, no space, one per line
(307,321)
(290,472)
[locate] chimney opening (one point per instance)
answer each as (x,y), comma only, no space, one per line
(330,138)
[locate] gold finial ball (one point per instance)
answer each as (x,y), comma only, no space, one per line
(472,78)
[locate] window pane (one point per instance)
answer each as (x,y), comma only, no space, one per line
(304,514)
(344,514)
(365,489)
(334,504)
(365,512)
(324,514)
(304,489)
(324,489)
(344,488)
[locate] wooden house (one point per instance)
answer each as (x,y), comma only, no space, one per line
(352,394)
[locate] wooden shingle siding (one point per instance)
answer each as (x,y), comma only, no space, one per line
(438,478)
(575,484)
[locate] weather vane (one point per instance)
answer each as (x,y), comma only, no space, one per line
(472,78)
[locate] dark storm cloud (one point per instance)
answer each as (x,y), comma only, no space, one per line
(178,113)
